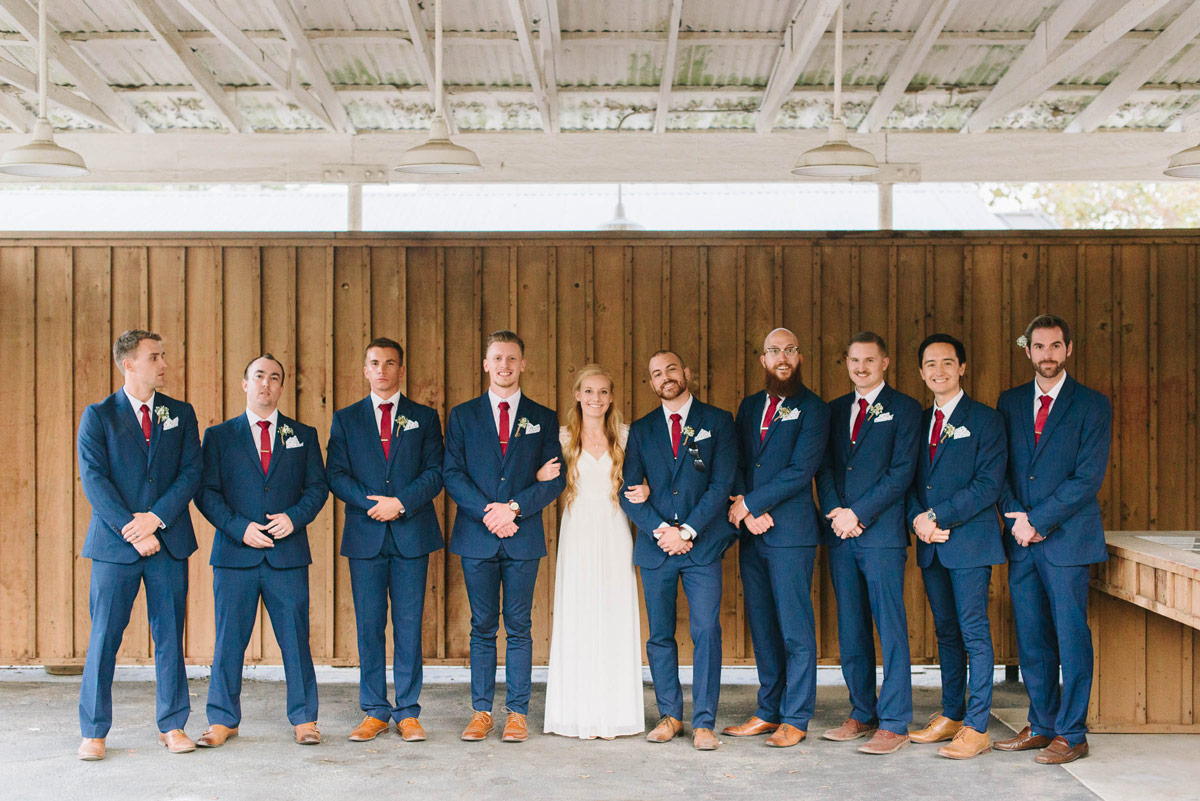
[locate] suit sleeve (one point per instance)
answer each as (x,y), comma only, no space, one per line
(459,486)
(316,486)
(540,494)
(174,502)
(827,492)
(739,476)
(714,503)
(985,486)
(98,485)
(428,483)
(345,486)
(912,501)
(1080,488)
(643,515)
(898,477)
(1008,498)
(210,498)
(797,477)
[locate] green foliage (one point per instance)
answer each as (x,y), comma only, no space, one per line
(1173,204)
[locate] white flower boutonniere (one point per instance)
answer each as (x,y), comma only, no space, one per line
(783,412)
(875,410)
(522,424)
(688,433)
(401,422)
(285,430)
(947,432)
(162,413)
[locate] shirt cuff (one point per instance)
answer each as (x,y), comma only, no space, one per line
(161,524)
(692,530)
(656,534)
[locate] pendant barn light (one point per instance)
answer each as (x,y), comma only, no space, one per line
(438,155)
(42,158)
(837,158)
(620,222)
(1184,164)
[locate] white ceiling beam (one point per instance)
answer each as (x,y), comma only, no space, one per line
(14,114)
(936,17)
(27,81)
(293,31)
(807,23)
(86,78)
(1180,33)
(418,38)
(668,71)
(533,70)
(236,40)
(550,40)
(160,26)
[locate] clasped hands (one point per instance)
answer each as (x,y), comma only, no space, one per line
(140,533)
(738,514)
(1023,530)
(845,523)
(260,535)
(927,530)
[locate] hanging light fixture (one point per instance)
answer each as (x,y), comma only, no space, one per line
(1184,164)
(42,158)
(438,154)
(837,158)
(620,222)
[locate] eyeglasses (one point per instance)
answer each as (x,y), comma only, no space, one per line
(789,351)
(697,462)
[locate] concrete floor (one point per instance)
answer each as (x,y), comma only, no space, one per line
(39,734)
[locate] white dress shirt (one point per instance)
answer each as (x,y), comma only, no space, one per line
(376,400)
(683,416)
(256,432)
(512,400)
(1052,392)
(870,397)
(946,411)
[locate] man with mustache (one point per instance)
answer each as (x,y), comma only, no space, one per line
(1059,433)
(781,437)
(685,450)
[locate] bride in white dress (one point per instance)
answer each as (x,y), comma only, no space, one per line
(594,686)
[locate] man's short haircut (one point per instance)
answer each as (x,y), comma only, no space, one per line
(271,356)
(1048,321)
(127,344)
(504,335)
(668,352)
(868,338)
(960,350)
(384,342)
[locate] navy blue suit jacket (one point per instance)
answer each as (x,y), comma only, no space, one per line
(678,490)
(962,486)
(775,472)
(121,475)
(412,473)
(872,477)
(477,474)
(234,492)
(1056,481)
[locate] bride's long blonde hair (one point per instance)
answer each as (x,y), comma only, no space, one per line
(574,444)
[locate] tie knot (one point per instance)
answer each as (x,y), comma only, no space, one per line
(264,424)
(862,404)
(145,409)
(1046,400)
(938,415)
(675,418)
(503,406)
(387,407)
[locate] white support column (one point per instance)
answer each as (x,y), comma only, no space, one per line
(354,207)
(885,206)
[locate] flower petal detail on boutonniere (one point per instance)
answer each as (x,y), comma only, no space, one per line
(947,432)
(522,424)
(162,413)
(401,422)
(875,410)
(285,430)
(1022,342)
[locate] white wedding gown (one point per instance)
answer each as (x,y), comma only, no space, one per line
(594,685)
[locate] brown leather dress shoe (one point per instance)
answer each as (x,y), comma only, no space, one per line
(704,740)
(666,730)
(479,728)
(91,749)
(884,742)
(369,729)
(1026,740)
(216,735)
(308,734)
(939,728)
(755,725)
(1060,752)
(176,741)
(515,729)
(967,744)
(411,730)
(786,736)
(850,730)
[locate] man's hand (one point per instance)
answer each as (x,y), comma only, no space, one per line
(385,508)
(280,525)
(738,512)
(143,524)
(549,471)
(760,524)
(1022,529)
(507,531)
(255,537)
(670,541)
(498,516)
(923,526)
(939,535)
(637,493)
(845,522)
(147,546)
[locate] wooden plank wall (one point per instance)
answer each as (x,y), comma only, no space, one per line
(316,300)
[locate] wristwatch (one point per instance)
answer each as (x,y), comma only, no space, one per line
(685,534)
(516,507)
(932,517)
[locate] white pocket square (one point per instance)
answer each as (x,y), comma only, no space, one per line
(883,418)
(292,442)
(172,423)
(961,433)
(411,424)
(794,414)
(703,435)
(533,428)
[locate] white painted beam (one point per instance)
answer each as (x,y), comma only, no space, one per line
(550,39)
(236,40)
(806,25)
(668,72)
(26,80)
(160,26)
(293,31)
(87,79)
(14,114)
(533,70)
(418,38)
(1180,33)
(936,17)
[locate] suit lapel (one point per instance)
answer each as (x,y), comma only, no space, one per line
(695,422)
(1061,404)
(882,399)
(514,433)
(487,425)
(761,443)
(662,438)
(155,425)
(277,447)
(129,418)
(248,441)
(956,420)
(402,406)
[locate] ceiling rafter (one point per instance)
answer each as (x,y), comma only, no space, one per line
(807,23)
(533,71)
(550,39)
(418,38)
(668,71)
(306,54)
(27,81)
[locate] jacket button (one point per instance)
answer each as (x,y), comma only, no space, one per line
(266,489)
(388,481)
(1031,478)
(928,487)
(502,478)
(151,479)
(849,468)
(674,492)
(758,465)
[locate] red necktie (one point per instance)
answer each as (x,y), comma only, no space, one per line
(385,428)
(264,444)
(768,418)
(676,432)
(858,421)
(146,422)
(935,436)
(505,426)
(1039,422)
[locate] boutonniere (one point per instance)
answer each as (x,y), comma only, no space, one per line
(524,426)
(285,430)
(875,410)
(688,433)
(1022,342)
(162,413)
(401,423)
(947,432)
(782,413)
